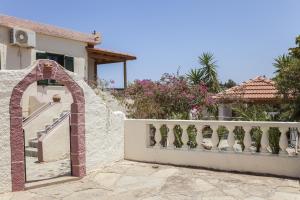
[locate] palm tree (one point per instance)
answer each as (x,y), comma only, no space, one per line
(194,76)
(282,62)
(208,71)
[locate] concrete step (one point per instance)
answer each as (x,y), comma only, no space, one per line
(33,143)
(31,152)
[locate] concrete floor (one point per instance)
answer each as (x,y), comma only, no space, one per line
(36,171)
(132,180)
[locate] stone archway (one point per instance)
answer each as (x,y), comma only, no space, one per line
(46,69)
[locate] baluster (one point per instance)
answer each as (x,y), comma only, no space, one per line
(230,139)
(264,143)
(247,138)
(185,137)
(151,137)
(283,141)
(157,135)
(199,137)
(171,137)
(214,138)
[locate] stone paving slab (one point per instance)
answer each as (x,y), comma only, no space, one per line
(39,171)
(127,180)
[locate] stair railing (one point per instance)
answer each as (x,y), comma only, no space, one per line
(58,121)
(36,113)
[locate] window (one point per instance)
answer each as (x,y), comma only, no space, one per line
(65,61)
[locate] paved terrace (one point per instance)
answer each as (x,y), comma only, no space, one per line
(134,180)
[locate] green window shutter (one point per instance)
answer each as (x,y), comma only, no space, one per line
(69,63)
(40,55)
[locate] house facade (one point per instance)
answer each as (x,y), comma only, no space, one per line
(22,42)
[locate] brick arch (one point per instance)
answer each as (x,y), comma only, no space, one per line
(46,69)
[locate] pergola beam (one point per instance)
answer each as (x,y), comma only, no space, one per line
(102,56)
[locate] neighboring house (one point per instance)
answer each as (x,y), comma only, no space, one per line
(22,42)
(259,90)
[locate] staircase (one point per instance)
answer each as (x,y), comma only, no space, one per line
(32,149)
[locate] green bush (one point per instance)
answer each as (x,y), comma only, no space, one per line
(192,133)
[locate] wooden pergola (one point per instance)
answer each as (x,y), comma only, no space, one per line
(102,56)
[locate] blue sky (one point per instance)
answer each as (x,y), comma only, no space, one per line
(245,36)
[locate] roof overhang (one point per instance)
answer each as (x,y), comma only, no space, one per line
(230,100)
(102,56)
(46,29)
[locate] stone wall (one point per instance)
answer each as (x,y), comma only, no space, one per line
(104,128)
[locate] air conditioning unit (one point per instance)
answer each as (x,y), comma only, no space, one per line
(22,37)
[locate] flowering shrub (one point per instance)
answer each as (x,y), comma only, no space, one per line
(169,98)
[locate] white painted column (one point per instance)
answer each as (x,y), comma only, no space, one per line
(171,137)
(264,140)
(214,137)
(199,137)
(247,138)
(157,135)
(185,137)
(230,139)
(283,141)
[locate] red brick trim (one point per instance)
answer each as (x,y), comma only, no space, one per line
(46,69)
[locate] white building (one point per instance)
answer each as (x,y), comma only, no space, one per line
(23,41)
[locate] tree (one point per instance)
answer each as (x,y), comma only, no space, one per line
(208,72)
(228,84)
(287,81)
(295,51)
(194,76)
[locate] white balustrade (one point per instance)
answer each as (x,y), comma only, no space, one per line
(137,149)
(171,137)
(230,139)
(283,141)
(157,135)
(185,136)
(264,143)
(199,137)
(214,125)
(214,137)
(247,138)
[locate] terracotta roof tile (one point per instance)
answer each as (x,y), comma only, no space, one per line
(257,89)
(46,29)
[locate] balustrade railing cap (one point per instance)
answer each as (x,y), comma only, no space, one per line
(222,123)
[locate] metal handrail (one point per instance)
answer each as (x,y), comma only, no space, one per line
(57,122)
(36,113)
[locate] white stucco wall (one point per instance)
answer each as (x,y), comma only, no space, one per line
(8,79)
(13,57)
(104,128)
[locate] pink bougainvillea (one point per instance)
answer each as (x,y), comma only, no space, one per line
(170,97)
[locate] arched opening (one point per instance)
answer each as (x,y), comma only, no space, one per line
(46,69)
